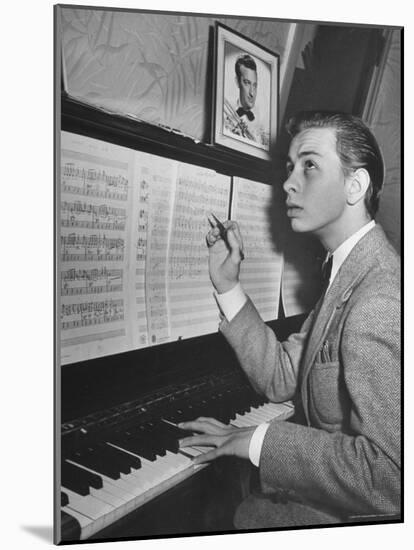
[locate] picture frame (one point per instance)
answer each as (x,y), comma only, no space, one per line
(246,94)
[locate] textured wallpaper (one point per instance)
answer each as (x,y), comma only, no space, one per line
(150,66)
(386,125)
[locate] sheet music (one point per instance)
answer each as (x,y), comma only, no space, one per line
(261,271)
(134,263)
(193,309)
(95,205)
(157,191)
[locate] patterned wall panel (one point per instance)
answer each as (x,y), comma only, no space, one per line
(385,122)
(153,67)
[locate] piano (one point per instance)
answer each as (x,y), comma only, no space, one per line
(120,463)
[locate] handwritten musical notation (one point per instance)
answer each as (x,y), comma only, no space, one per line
(133,256)
(93,182)
(75,247)
(94,213)
(91,216)
(261,271)
(91,313)
(91,281)
(199,191)
(158,188)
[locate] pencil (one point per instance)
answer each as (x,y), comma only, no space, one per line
(223,233)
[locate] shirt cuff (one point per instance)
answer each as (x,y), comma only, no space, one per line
(232,301)
(256,443)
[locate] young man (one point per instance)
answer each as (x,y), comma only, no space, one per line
(344,464)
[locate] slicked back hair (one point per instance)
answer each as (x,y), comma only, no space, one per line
(247,61)
(356,147)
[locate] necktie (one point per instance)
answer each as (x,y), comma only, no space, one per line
(240,111)
(326,273)
(326,270)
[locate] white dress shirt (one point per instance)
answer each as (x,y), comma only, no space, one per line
(232,301)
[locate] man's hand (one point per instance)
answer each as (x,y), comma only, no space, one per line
(227,440)
(224,262)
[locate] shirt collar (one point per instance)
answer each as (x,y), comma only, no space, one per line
(254,110)
(343,251)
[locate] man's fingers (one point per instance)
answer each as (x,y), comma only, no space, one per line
(202,439)
(206,425)
(236,244)
(212,236)
(235,239)
(212,421)
(206,457)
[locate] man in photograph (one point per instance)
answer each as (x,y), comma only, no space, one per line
(242,117)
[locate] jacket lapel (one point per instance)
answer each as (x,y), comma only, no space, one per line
(350,273)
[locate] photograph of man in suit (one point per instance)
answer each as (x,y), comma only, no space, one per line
(342,462)
(242,117)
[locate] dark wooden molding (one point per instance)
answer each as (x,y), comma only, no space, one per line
(90,121)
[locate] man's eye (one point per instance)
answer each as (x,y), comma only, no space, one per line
(289,169)
(309,165)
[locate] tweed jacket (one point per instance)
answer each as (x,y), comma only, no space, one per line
(345,362)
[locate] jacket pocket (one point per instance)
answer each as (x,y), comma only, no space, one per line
(327,392)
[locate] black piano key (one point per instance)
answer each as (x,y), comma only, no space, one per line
(78,479)
(174,434)
(133,461)
(95,461)
(64,499)
(175,431)
(144,440)
(169,436)
(133,444)
(71,480)
(113,457)
(125,460)
(155,438)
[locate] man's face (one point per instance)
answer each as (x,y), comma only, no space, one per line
(316,191)
(248,87)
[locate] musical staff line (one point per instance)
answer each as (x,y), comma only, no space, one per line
(85,314)
(91,281)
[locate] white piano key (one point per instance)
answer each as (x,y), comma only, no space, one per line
(190,451)
(88,505)
(86,524)
(167,465)
(107,497)
(144,478)
(257,417)
(120,483)
(150,472)
(242,421)
(203,448)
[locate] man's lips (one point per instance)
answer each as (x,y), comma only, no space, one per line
(293,208)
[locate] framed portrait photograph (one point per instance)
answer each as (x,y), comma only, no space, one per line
(246,93)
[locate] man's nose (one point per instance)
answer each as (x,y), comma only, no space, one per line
(291,184)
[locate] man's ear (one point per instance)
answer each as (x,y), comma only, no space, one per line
(357,185)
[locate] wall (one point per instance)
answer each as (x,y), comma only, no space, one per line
(153,67)
(384,116)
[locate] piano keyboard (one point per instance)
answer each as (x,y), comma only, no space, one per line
(106,478)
